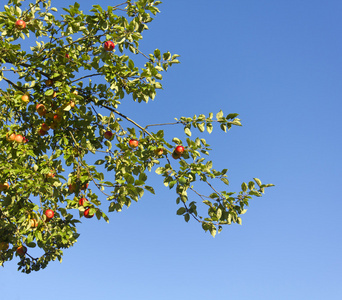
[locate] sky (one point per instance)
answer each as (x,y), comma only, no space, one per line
(279,65)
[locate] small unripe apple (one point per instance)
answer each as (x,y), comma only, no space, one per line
(33,223)
(87,215)
(19,138)
(82,201)
(20,24)
(4,246)
(133,143)
(179,150)
(25,98)
(49,214)
(109,46)
(158,151)
(108,135)
(49,82)
(21,250)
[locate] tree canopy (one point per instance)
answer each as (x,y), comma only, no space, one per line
(65,144)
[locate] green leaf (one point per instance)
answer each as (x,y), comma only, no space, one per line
(244,187)
(187,131)
(181,211)
(150,189)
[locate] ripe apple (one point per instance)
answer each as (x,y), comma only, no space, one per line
(51,174)
(176,155)
(10,137)
(71,188)
(25,140)
(33,223)
(49,214)
(25,98)
(72,104)
(108,135)
(42,132)
(49,82)
(179,150)
(20,24)
(4,246)
(45,127)
(57,118)
(4,186)
(82,201)
(19,138)
(21,250)
(109,46)
(158,151)
(84,186)
(67,55)
(41,110)
(133,143)
(87,215)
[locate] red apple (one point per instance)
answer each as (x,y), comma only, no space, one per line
(158,151)
(109,46)
(10,137)
(82,201)
(41,110)
(71,188)
(176,155)
(21,250)
(42,132)
(25,140)
(179,150)
(33,223)
(57,118)
(87,215)
(108,135)
(67,55)
(49,214)
(19,138)
(20,24)
(45,127)
(133,143)
(25,98)
(51,174)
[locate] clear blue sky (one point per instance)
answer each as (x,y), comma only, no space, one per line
(278,64)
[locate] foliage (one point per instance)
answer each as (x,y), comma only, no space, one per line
(50,139)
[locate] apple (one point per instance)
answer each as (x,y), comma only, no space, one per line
(25,140)
(72,104)
(51,174)
(108,135)
(71,188)
(25,98)
(67,55)
(4,246)
(49,214)
(4,186)
(179,150)
(41,110)
(19,138)
(20,24)
(75,92)
(10,137)
(82,201)
(133,143)
(109,46)
(33,223)
(49,82)
(84,186)
(176,155)
(45,127)
(42,132)
(158,151)
(21,250)
(57,118)
(87,215)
